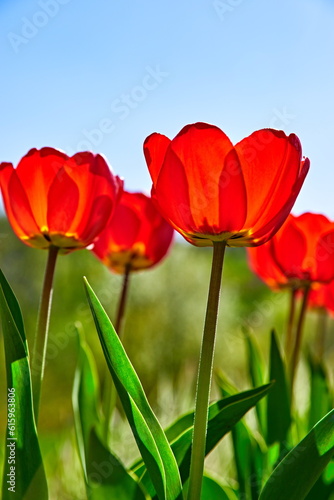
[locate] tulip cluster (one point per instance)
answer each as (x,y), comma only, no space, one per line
(214,194)
(61,204)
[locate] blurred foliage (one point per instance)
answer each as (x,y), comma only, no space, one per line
(162,331)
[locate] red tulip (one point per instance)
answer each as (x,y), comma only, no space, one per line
(301,253)
(137,235)
(262,263)
(210,190)
(55,200)
(322,297)
(317,297)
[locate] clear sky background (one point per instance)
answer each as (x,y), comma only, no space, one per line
(104,74)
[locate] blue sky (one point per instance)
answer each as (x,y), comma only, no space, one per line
(102,75)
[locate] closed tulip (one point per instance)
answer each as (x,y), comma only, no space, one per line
(301,253)
(300,256)
(55,200)
(210,190)
(137,237)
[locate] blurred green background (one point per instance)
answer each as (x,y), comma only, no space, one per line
(162,335)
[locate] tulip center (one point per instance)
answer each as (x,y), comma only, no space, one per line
(136,258)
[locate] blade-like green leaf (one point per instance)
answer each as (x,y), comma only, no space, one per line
(321,490)
(106,476)
(248,454)
(320,392)
(211,490)
(242,446)
(241,440)
(223,415)
(256,371)
(278,402)
(84,399)
(23,461)
(220,423)
(150,437)
(14,306)
(299,470)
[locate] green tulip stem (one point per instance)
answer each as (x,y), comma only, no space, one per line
(41,335)
(289,330)
(205,374)
(299,335)
(122,300)
(109,393)
(321,332)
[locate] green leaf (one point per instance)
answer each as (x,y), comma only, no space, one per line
(221,420)
(150,437)
(321,490)
(106,476)
(278,402)
(301,467)
(256,371)
(242,446)
(84,399)
(22,449)
(320,392)
(212,489)
(223,415)
(248,454)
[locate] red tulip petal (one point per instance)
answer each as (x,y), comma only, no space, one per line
(312,224)
(63,199)
(324,256)
(156,234)
(125,226)
(20,213)
(263,264)
(36,171)
(137,235)
(271,164)
(290,249)
(160,241)
(6,170)
(94,180)
(100,212)
(233,203)
(317,296)
(155,147)
(329,296)
(203,176)
(172,195)
(121,233)
(263,232)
